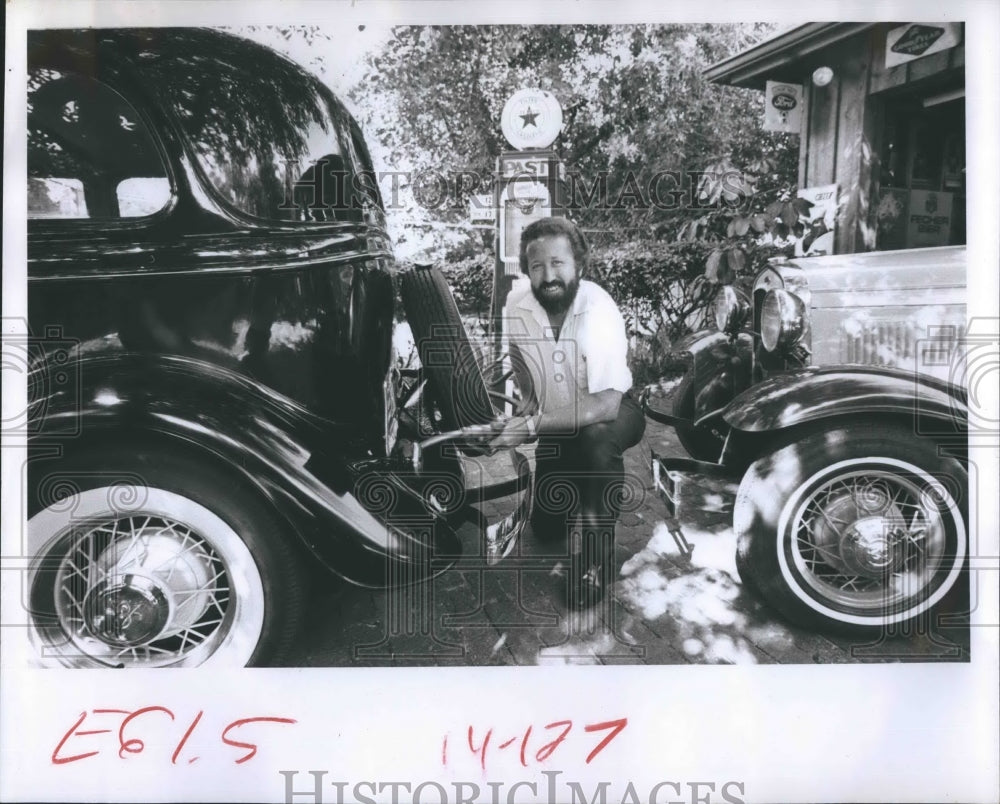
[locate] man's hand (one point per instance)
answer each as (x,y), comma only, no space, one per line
(513,431)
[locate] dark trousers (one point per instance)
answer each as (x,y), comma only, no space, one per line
(583,475)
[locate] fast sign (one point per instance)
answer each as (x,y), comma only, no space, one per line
(529,166)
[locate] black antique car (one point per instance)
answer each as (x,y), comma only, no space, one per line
(214,400)
(832,389)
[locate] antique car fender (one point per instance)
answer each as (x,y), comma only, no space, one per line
(367,527)
(697,342)
(720,366)
(721,369)
(808,395)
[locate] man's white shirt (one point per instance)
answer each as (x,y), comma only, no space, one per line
(590,354)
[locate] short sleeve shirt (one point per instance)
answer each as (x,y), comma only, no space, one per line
(590,354)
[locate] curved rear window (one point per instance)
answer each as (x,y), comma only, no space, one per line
(264,133)
(90,154)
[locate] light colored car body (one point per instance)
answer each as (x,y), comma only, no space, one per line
(899,309)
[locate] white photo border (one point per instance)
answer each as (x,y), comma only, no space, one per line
(907,732)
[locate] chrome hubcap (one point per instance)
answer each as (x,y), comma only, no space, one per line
(126,614)
(871,547)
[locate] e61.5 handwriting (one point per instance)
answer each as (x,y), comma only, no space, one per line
(133,729)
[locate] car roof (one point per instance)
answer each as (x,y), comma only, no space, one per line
(138,44)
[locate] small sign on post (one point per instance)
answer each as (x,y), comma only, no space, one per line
(821,220)
(824,204)
(527,183)
(482,211)
(783,107)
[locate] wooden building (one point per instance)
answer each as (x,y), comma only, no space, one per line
(882,118)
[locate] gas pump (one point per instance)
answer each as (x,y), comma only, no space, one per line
(527,186)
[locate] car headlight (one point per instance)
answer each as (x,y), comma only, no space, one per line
(782,319)
(730,309)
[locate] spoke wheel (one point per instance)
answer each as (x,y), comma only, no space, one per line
(867,541)
(852,528)
(446,354)
(141,575)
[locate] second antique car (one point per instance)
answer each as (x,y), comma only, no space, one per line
(832,389)
(214,406)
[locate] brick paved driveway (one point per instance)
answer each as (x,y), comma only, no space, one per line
(664,610)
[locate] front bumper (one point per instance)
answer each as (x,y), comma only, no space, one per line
(432,517)
(668,474)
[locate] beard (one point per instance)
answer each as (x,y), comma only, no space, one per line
(556,297)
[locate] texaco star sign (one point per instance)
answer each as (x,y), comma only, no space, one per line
(532,118)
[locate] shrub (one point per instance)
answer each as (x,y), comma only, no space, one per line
(471,282)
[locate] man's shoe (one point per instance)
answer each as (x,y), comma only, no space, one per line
(590,587)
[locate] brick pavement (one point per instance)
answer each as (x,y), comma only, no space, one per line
(665,609)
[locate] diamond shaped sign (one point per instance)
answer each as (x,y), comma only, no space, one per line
(916,40)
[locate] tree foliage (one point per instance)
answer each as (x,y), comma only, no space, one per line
(636,105)
(638,115)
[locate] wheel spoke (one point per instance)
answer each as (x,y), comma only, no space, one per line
(76,604)
(112,537)
(73,569)
(917,539)
(88,550)
(826,552)
(834,526)
(189,629)
(134,546)
(173,563)
(213,591)
(855,583)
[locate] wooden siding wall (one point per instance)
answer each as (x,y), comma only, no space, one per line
(840,144)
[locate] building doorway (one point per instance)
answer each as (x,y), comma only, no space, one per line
(922,182)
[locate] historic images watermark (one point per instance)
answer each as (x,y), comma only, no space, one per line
(664,190)
(313,787)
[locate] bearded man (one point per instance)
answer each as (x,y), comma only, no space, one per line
(569,348)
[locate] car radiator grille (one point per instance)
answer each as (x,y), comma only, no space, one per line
(897,344)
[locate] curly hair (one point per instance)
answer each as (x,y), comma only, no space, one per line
(554,227)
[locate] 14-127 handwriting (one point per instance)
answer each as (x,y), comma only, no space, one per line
(487,743)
